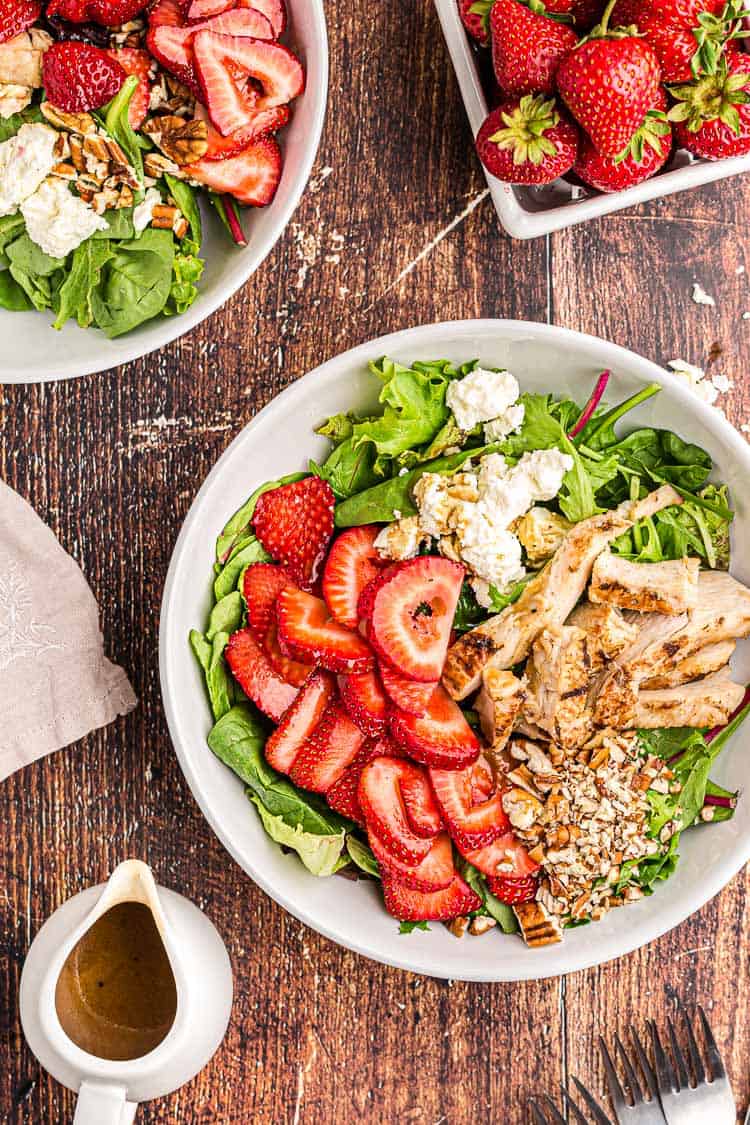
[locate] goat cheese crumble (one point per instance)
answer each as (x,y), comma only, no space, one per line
(57,220)
(143,213)
(25,162)
(482,396)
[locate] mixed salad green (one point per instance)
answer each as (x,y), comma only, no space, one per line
(372,467)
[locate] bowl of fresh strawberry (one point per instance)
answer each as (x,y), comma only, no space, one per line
(581,107)
(395,671)
(151,154)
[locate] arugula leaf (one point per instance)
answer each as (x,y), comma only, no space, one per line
(239,526)
(136,282)
(12,295)
(687,529)
(84,275)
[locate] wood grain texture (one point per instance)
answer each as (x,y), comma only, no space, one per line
(395,230)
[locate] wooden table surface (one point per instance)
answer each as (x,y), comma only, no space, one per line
(395,229)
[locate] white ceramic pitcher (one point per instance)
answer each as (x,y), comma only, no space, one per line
(109,1092)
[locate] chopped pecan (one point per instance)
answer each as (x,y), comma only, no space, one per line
(71,122)
(156,166)
(458,926)
(481,924)
(65,171)
(182,141)
(166,217)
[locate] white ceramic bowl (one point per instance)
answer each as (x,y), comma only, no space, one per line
(34,352)
(528,212)
(278,441)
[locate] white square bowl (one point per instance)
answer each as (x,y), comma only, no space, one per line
(528,212)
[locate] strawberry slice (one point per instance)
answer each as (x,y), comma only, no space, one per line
(412,616)
(173,46)
(137,62)
(409,905)
(170,45)
(219,148)
(166,13)
(295,522)
(471,824)
(422,810)
(352,562)
(261,585)
(17,16)
(408,695)
(204,9)
(366,599)
(273,10)
(342,796)
(505,851)
(329,750)
(252,176)
(293,671)
(434,873)
(441,737)
(383,791)
(245,22)
(224,64)
(306,630)
(299,721)
(362,695)
(253,672)
(512,891)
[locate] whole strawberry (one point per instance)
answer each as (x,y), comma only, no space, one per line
(526,141)
(609,82)
(647,152)
(475,16)
(107,13)
(586,13)
(712,114)
(17,16)
(688,36)
(78,77)
(527,48)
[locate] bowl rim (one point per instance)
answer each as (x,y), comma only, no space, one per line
(711,882)
(256,252)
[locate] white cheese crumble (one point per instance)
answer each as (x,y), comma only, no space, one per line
(701,297)
(707,389)
(143,212)
(401,540)
(25,161)
(481,396)
(57,220)
(509,422)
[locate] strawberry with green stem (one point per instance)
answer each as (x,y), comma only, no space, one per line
(646,153)
(711,115)
(688,36)
(527,141)
(609,81)
(528,45)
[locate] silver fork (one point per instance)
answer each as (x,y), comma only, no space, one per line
(545,1112)
(710,1099)
(645,1108)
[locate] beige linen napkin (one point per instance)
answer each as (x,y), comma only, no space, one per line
(56,684)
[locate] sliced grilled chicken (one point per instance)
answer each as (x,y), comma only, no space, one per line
(505,639)
(702,663)
(21,58)
(664,587)
(498,704)
(557,679)
(704,703)
(607,630)
(538,926)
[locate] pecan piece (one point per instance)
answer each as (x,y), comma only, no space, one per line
(180,140)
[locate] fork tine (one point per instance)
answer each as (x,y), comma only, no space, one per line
(714,1055)
(599,1116)
(576,1110)
(557,1117)
(679,1058)
(613,1082)
(646,1069)
(662,1065)
(631,1077)
(695,1056)
(536,1113)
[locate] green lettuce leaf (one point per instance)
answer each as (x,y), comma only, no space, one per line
(83,277)
(136,282)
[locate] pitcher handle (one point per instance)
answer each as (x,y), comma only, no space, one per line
(101,1103)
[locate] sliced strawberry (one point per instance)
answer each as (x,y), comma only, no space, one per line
(244,22)
(17,16)
(295,522)
(342,796)
(470,824)
(408,695)
(293,671)
(483,783)
(166,13)
(137,62)
(253,672)
(114,13)
(307,632)
(273,10)
(329,749)
(204,9)
(441,737)
(252,176)
(299,721)
(512,891)
(261,585)
(352,562)
(505,851)
(422,810)
(170,45)
(409,905)
(366,599)
(382,796)
(220,148)
(434,873)
(224,64)
(78,77)
(364,699)
(412,616)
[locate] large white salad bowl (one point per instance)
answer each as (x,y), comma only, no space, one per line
(35,352)
(279,440)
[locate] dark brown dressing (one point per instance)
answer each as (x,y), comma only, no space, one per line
(116,996)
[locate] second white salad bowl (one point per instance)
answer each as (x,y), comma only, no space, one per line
(280,440)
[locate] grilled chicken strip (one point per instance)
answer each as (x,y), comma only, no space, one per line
(607,630)
(547,600)
(702,663)
(557,679)
(498,705)
(664,587)
(704,703)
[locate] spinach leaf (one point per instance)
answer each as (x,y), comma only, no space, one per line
(219,681)
(226,616)
(599,432)
(491,905)
(119,224)
(136,282)
(349,468)
(185,198)
(116,121)
(38,274)
(83,277)
(239,526)
(410,927)
(9,126)
(12,295)
(228,578)
(362,856)
(11,226)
